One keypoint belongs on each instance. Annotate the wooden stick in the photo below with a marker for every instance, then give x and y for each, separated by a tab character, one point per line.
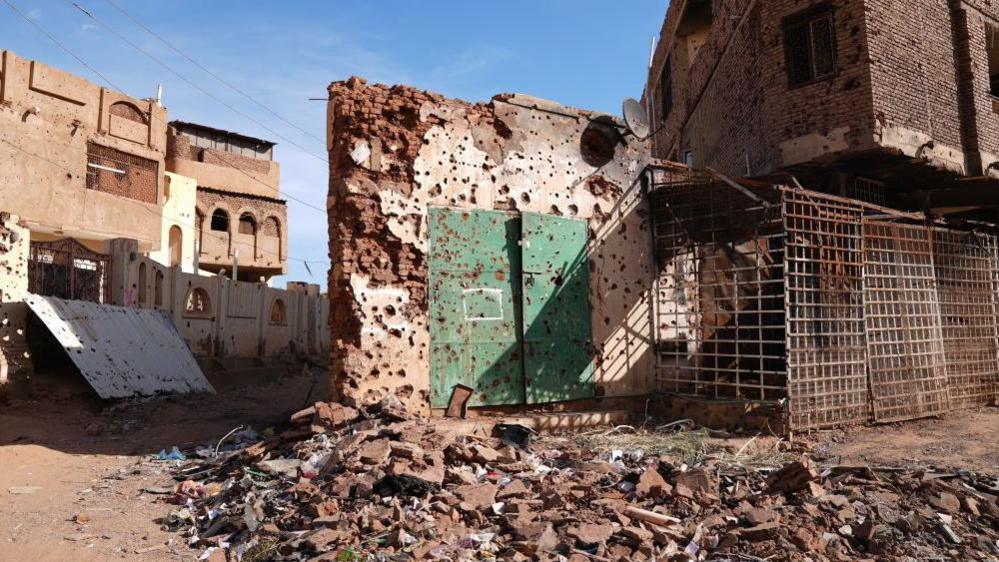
650	516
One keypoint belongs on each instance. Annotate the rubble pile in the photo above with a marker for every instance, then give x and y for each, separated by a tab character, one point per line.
342	484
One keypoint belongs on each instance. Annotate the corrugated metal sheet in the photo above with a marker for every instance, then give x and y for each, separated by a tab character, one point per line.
121	351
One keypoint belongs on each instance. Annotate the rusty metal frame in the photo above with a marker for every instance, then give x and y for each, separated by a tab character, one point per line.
967	270
905	344
67	269
827	379
719	307
880	314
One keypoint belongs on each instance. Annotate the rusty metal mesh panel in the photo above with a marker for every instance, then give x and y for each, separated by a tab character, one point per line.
965	265
720	301
827	379
904	340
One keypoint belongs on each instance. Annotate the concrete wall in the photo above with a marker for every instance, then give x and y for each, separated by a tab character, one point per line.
236	321
14	242
179	203
395	151
47	119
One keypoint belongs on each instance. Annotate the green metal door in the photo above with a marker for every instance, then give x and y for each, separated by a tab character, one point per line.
475	320
558	347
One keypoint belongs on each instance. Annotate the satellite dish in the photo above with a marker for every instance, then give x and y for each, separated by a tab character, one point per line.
636	118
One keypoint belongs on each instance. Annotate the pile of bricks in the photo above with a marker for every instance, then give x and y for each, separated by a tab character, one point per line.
343	484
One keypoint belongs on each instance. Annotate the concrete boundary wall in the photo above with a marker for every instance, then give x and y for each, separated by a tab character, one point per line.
226	318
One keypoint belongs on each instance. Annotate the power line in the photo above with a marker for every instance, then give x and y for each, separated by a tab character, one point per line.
34	24
192	83
106	80
112	85
210	73
158	215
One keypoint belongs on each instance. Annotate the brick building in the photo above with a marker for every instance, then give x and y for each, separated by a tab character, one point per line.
890	101
239	217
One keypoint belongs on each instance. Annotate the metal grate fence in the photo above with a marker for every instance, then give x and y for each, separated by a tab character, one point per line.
850	311
902	313
966	273
827	381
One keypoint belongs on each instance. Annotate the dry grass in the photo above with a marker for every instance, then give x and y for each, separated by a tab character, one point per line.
690	446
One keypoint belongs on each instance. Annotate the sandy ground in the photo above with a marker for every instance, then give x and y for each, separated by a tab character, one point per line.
88	461
968	439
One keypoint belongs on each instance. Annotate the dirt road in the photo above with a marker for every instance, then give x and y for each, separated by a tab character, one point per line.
73	469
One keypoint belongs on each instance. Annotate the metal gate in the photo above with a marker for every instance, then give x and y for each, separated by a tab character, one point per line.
68	270
902	312
966	268
475	319
558	356
826	375
509	308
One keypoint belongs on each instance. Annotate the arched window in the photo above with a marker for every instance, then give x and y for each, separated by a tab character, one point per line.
272	227
176	246
220	220
142	284
279	314
197	304
247	224
128	111
158	289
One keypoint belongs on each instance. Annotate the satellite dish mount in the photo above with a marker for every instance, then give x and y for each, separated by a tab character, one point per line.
636	119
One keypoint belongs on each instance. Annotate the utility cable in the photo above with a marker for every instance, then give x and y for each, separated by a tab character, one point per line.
191	83
112	85
210	73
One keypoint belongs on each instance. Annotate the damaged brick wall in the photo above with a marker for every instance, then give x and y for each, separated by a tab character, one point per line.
974	21
914	74
732	106
394	151
179	147
14	245
912	77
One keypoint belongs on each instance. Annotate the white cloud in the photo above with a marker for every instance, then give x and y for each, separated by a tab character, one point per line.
470	63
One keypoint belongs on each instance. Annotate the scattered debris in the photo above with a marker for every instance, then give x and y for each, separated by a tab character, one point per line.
459	400
380	484
173	455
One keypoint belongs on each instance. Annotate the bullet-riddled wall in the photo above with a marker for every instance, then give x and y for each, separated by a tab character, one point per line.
398	156
14	355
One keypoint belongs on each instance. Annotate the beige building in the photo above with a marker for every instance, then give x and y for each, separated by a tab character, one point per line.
81	165
240	221
178	240
102	199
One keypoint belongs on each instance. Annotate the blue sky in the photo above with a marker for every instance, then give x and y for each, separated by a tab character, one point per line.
585	53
